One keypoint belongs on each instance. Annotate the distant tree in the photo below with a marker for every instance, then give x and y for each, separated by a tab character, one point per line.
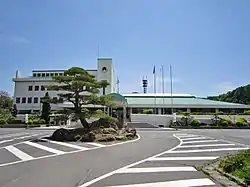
14	110
46	109
81	89
238	95
5	100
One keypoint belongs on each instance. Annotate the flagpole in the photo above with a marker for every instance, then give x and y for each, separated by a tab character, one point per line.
118	85
171	89
162	77
154	77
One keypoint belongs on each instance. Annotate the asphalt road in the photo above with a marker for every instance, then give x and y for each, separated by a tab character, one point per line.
152	159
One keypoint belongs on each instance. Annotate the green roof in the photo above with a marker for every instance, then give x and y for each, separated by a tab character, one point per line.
180	101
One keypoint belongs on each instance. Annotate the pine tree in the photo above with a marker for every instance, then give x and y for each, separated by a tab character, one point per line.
46	107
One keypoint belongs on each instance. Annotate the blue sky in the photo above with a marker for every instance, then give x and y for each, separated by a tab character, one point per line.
207	42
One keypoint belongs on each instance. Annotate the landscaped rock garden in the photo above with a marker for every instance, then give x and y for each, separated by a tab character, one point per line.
101	131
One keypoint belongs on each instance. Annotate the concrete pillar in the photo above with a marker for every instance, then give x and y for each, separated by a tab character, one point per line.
217	110
159	111
188	110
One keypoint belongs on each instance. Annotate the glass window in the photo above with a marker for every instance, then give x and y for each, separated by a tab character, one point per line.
35	99
29	99
39	74
34	74
52	74
30	88
56	74
60	74
36	88
42	88
23	99
43	74
47	74
18	100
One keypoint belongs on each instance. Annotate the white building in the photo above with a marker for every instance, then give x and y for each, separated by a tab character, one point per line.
28	91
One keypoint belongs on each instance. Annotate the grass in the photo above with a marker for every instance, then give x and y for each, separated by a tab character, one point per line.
238	165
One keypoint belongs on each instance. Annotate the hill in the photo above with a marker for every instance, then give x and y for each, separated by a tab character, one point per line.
238	95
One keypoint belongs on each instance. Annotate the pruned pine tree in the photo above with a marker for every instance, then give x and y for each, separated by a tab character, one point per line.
81	89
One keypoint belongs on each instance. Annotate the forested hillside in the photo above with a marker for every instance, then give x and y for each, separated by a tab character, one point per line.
238	95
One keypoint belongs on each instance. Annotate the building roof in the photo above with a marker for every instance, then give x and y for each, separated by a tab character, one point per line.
156	95
178	102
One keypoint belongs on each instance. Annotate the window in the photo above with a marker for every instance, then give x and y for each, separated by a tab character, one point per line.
35	99
30	88
54	99
56	74
47	74
23	99
39	74
29	100
18	100
42	88
36	88
103	91
52	74
60	100
43	74
60	74
34	74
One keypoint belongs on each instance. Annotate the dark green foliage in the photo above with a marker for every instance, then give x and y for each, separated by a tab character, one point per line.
46	107
148	111
195	122
2	121
14	110
239	95
224	122
241	122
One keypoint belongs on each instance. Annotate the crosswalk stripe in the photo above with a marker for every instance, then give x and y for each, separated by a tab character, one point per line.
6	141
183	158
66	144
156	169
177	183
18	153
96	144
209	150
26	136
195	138
202	141
206	145
44	147
188	136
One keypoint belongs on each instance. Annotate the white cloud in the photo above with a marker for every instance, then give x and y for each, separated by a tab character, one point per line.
14	39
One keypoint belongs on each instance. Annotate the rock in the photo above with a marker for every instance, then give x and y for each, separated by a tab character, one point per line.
109	131
89	137
107	138
119	138
60	135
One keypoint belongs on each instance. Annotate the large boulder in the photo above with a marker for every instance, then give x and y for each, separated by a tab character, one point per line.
60	135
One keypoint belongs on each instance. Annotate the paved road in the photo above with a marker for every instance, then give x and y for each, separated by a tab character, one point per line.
158	157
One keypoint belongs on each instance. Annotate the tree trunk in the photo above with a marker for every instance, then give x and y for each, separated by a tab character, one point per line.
84	123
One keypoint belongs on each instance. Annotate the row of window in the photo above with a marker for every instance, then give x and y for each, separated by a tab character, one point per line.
28	100
36	88
47	74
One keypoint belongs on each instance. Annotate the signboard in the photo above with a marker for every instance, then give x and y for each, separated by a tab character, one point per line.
26	118
174	117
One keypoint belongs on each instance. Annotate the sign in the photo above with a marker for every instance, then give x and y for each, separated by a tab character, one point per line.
174	117
26	118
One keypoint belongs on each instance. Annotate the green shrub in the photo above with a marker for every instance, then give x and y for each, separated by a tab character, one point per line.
30	121
195	122
224	122
41	121
2	121
241	122
230	164
247	112
150	111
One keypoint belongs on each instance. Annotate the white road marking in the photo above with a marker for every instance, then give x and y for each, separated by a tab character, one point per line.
44	148
188	136
23	137
177	183
196	138
155	169
210	150
207	145
6	141
183	158
66	144
96	144
202	141
18	153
